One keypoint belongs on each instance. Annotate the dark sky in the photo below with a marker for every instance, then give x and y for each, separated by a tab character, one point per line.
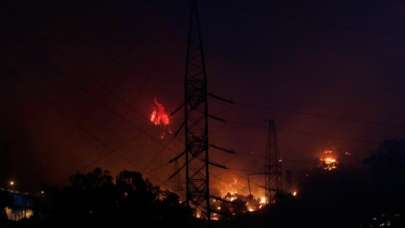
80	77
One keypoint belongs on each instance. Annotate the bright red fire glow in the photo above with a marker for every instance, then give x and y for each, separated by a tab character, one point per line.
159	116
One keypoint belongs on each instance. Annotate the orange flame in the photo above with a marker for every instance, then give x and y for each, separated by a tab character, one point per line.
159	116
328	160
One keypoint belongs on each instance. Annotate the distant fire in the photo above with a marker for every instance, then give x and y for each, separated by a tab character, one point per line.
160	117
328	160
231	184
215	217
198	214
263	200
251	203
231	196
234	198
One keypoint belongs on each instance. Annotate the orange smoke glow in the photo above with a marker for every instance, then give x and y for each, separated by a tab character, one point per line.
159	116
231	184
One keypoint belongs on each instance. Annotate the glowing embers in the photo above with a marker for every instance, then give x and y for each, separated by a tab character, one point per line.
231	196
198	213
328	160
251	209
160	118
263	200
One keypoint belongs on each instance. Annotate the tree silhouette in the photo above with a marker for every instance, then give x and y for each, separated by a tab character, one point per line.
342	198
94	198
387	174
5	201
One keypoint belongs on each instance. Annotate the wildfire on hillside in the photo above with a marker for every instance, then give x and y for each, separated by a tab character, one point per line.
328	160
160	117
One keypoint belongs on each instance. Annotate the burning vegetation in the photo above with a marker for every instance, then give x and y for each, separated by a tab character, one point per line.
233	204
160	117
328	160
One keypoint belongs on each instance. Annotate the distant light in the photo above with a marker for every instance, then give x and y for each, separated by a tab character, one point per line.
219	208
11	183
250	209
215	217
198	214
42	192
294	193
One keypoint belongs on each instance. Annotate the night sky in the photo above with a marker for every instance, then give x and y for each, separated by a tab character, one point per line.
79	78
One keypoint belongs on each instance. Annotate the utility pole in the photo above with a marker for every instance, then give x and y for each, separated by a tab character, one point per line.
272	163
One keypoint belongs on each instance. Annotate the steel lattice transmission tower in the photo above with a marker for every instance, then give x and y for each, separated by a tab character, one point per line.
272	164
196	120
196	117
